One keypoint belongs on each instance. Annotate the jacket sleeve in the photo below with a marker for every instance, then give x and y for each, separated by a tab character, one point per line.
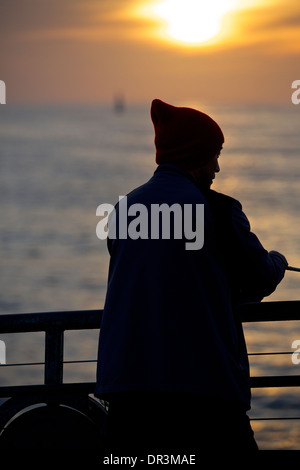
258	272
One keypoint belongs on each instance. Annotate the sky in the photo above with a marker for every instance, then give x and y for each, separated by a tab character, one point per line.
87	51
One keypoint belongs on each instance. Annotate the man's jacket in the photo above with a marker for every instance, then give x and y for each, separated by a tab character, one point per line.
170	322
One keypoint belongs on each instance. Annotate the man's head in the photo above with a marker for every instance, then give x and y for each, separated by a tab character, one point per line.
188	139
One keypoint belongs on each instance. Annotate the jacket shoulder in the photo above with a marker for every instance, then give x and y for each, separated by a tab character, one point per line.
221	200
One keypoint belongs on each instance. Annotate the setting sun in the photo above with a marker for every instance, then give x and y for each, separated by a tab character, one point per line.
193	21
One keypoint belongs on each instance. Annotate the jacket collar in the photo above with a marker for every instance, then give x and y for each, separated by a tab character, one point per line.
172	169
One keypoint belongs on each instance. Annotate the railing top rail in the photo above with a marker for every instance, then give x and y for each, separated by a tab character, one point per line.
270	311
44	321
91	319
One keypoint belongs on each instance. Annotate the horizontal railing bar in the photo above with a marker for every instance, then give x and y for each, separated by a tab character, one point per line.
287	418
89	387
275	381
61	321
80	362
20	364
91	319
84	361
270	311
271	353
42	390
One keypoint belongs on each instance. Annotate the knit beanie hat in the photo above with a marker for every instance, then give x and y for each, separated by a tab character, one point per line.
184	136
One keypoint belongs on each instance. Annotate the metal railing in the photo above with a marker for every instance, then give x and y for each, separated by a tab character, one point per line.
54	324
272	312
78	419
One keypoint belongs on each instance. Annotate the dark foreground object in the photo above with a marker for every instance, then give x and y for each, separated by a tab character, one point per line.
178	423
60	419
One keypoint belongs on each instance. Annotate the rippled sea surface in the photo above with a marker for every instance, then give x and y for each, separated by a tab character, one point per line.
57	164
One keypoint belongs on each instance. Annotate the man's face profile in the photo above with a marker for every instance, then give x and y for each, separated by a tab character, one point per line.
205	175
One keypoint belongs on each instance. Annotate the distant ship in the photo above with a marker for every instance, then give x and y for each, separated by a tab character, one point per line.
119	103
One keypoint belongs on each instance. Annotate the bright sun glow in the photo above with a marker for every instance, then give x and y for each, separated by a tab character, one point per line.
193	21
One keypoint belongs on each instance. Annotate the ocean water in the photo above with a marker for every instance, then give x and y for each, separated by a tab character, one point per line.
58	163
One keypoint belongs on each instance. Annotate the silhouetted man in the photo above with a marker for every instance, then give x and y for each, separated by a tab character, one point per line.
172	358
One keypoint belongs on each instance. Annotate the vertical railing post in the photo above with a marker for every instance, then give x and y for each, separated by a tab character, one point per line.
54	350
